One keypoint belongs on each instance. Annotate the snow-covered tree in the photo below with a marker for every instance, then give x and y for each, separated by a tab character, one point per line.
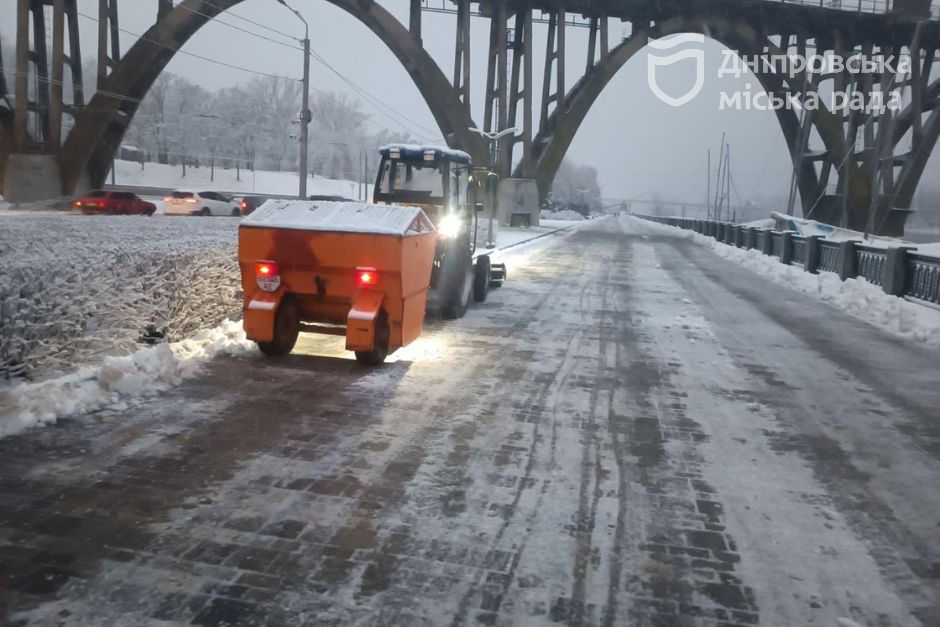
576	187
255	125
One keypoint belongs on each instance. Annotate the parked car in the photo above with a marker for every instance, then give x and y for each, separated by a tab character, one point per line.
184	203
104	202
250	203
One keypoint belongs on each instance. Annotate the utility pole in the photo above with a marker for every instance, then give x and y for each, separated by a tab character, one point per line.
708	185
728	183
721	157
305	113
305	103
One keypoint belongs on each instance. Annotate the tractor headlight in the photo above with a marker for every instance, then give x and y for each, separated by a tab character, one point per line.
450	226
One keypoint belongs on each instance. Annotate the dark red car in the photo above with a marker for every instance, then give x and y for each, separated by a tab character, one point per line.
105	202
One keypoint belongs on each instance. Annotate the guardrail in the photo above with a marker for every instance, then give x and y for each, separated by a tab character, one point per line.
899	271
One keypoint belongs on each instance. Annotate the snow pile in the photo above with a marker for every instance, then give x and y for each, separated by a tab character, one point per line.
857	297
77	288
928	249
346	217
763	223
564	214
416	151
116	379
785	222
57	204
258	182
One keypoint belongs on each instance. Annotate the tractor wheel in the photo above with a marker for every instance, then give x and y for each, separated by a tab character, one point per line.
379	351
286	328
457	279
481	278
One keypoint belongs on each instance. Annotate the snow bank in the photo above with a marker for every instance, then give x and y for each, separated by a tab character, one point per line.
116	379
75	289
564	214
857	297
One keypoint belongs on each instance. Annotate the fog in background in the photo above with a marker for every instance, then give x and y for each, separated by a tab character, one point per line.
641	147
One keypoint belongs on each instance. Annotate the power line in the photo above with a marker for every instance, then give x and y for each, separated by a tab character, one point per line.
192	54
216	20
376	104
384	109
250	21
74	86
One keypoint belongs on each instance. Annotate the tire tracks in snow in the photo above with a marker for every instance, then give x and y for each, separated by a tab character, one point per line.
536	398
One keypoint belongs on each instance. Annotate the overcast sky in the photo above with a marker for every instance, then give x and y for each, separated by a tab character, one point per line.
639	145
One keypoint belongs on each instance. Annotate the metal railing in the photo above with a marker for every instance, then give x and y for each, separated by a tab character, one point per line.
925	278
874	7
828	256
776	246
878	7
799	251
870	264
899	271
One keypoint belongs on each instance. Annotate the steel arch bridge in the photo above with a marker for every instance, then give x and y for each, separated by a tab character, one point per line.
855	168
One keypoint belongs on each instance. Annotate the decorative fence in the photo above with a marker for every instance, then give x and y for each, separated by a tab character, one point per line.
899	271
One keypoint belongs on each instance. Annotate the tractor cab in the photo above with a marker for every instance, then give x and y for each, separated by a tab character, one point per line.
437	179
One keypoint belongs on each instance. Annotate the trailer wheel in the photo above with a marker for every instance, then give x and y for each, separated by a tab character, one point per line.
286	328
379	351
481	278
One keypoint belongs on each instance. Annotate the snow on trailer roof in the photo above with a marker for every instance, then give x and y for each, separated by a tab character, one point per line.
339	217
416	151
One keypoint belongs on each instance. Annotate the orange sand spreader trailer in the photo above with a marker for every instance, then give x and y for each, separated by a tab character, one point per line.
341	268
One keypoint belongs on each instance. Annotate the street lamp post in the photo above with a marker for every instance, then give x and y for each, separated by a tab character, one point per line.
305	104
493	139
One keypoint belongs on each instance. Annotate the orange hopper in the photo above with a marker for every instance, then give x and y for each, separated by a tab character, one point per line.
342	268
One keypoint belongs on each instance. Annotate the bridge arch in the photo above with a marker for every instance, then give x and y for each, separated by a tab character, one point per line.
87	153
559	130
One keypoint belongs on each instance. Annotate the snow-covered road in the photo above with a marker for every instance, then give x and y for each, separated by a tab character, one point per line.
632	431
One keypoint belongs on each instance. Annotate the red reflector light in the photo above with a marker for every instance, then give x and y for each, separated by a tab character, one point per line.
265	268
267	276
366	276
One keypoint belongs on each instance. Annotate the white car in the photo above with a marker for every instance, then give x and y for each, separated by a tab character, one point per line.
183	203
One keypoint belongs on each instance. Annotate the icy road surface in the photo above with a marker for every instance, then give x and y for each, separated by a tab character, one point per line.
632	431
